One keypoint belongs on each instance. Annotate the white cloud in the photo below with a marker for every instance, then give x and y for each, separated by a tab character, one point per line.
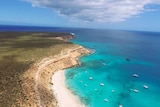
96	10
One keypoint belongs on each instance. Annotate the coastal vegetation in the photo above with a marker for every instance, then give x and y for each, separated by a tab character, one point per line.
18	52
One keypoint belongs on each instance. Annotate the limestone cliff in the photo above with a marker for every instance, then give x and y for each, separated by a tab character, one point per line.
37	80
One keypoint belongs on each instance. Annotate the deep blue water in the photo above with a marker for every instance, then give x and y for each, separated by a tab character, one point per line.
108	65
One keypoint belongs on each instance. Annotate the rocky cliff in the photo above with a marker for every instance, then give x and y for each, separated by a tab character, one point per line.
37	80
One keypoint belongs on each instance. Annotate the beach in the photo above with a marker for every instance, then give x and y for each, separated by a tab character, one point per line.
63	95
28	60
31	70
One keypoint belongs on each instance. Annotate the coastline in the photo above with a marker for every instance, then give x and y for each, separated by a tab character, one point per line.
63	95
27	80
38	79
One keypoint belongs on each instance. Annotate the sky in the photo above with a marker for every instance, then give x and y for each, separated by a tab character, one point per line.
102	14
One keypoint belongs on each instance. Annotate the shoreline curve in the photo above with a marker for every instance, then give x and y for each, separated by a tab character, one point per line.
40	76
63	95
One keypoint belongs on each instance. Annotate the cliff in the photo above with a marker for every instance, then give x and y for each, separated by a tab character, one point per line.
36	84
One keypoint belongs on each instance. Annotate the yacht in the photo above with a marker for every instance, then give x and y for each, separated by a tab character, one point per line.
106	100
135	90
135	75
145	86
120	106
101	84
90	78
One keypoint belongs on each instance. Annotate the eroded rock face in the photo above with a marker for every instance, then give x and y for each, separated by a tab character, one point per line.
37	80
67	37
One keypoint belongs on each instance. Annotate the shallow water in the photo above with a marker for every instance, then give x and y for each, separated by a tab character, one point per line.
108	65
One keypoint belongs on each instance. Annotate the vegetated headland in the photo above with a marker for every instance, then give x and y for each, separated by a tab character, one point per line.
27	62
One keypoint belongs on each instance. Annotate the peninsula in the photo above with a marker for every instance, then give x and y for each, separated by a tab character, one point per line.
27	62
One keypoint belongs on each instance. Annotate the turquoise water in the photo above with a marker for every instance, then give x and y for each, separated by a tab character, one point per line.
108	65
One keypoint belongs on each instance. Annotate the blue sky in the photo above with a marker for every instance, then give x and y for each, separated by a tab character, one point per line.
106	14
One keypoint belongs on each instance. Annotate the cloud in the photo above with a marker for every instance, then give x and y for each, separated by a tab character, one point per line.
96	10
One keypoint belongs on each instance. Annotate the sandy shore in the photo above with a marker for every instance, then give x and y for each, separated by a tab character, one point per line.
64	96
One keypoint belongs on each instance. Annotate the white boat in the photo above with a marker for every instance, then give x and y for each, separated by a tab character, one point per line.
145	86
106	100
120	106
101	84
90	78
135	75
104	64
113	91
135	90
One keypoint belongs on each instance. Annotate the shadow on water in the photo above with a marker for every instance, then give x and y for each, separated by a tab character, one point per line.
123	96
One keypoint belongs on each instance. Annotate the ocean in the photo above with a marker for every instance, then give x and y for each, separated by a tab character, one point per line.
123	70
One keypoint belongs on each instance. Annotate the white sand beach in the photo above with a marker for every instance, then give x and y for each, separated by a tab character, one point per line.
64	96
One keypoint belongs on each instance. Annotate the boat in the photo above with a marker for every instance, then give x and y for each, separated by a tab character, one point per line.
101	84
90	78
85	85
135	75
106	100
120	106
145	86
103	64
135	90
113	91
